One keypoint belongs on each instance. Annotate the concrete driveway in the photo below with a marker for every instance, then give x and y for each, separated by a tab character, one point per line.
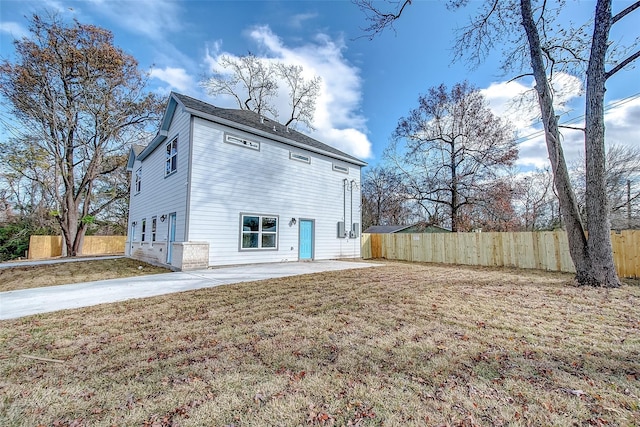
15	304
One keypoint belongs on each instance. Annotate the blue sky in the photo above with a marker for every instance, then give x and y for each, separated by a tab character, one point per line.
367	84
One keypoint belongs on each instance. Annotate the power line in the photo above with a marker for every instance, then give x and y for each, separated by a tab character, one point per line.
578	119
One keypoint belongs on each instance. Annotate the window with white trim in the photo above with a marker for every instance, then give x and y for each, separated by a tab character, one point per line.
171	164
299	157
144	229
154	223
242	142
133	231
258	232
340	168
138	180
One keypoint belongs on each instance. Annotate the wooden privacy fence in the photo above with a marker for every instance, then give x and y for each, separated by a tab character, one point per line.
51	246
545	250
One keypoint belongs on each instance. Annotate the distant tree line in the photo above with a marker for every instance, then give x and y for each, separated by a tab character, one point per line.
450	164
530	204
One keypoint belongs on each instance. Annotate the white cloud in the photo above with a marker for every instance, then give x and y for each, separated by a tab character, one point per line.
621	118
337	120
297	21
150	18
176	78
621	122
517	103
14	29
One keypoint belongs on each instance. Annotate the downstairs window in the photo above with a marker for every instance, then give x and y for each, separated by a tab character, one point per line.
258	232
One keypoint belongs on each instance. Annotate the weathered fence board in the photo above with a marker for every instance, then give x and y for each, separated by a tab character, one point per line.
51	246
545	250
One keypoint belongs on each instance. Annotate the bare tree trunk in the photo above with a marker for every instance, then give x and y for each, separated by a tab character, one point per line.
575	233
454	192
603	270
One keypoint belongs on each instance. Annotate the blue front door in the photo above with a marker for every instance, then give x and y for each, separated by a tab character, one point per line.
306	239
172	236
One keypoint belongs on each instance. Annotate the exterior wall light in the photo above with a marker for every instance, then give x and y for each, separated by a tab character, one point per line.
163	217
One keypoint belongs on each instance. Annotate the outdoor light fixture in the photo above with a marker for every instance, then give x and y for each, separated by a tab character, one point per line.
293	221
134	223
162	218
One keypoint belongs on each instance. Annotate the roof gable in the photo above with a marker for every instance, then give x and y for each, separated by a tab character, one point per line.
134	152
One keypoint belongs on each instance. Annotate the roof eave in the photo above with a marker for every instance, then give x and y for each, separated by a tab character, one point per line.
164	127
157	140
131	160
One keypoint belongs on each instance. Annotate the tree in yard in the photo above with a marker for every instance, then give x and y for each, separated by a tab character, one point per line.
383	198
254	82
495	209
28	178
79	102
542	49
537	202
622	180
451	150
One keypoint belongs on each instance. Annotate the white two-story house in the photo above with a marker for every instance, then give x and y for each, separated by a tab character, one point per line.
222	186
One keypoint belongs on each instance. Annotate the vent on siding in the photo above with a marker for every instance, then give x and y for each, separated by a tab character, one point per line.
299	157
340	168
242	142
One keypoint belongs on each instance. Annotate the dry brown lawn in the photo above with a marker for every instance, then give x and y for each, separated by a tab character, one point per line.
37	276
398	345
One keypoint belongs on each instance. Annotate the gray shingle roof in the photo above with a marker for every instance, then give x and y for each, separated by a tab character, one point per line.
253	120
376	229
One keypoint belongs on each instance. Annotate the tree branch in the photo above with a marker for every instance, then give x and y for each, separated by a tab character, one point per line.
622	64
625	12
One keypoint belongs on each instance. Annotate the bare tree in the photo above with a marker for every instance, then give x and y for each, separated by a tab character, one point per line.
29	177
383	198
451	149
543	48
248	79
537	201
253	83
495	208
80	101
622	180
302	94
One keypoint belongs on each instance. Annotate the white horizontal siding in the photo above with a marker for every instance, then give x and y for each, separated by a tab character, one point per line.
160	195
228	179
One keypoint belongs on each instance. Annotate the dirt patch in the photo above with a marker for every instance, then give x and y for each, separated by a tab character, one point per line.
36	276
402	344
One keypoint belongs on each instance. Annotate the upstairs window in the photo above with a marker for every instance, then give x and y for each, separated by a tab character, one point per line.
235	140
299	157
340	168
259	232
171	158
138	180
